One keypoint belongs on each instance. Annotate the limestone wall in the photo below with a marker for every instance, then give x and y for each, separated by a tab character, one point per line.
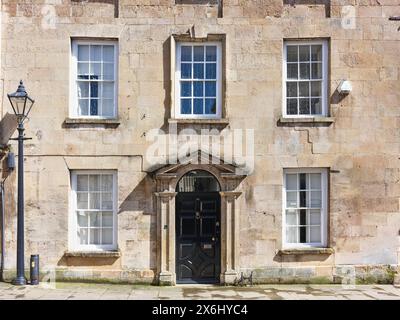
361	147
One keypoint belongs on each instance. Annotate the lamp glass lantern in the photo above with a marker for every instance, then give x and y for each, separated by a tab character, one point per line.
21	102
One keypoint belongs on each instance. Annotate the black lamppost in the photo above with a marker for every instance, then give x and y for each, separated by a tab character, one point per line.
22	105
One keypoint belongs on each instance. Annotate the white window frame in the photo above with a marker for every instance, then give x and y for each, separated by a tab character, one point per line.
325	69
324	208
177	86
74	244
73	110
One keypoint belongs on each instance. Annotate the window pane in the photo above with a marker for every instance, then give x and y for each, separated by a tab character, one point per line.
94	182
291	234
292	69
186	106
106	201
186	89
94	89
186	53
95	71
198	106
83	52
291	218
304	71
292	54
303	199
291	106
95	53
108	90
94	219
211	106
315	179
303	181
198	53
82	200
315	234
94	108
108	71
95	236
211	53
304	89
304	53
186	71
82	219
82	182
211	71
198	88
94	199
291	199
316	106
304	107
316	53
107	219
83	108
316	70
198	71
107	182
291	89
316	88
83	70
83	89
83	236
107	107
315	217
291	182
107	236
211	89
108	53
316	199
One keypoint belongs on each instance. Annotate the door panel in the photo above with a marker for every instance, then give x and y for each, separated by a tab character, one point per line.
197	237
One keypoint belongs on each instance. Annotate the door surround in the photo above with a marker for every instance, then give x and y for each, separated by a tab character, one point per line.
167	179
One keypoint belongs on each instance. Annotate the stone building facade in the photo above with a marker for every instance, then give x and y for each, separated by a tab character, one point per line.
320	202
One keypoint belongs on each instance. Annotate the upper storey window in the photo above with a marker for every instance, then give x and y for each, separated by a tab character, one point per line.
94	79
305	78
198	80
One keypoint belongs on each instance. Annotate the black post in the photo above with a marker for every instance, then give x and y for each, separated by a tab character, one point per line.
20	280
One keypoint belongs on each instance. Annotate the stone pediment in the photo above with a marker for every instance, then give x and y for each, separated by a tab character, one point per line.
201	160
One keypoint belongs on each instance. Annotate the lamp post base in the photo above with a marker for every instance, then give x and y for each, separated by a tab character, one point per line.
19	281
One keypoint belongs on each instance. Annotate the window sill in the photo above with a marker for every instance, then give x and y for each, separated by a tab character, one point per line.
93	254
307	120
305	251
86	122
223	121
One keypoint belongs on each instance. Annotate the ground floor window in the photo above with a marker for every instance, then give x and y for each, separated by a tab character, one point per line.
305	207
94	202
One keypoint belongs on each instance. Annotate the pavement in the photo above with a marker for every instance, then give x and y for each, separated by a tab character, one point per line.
85	291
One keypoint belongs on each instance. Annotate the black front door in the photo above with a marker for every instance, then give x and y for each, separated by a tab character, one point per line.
197	237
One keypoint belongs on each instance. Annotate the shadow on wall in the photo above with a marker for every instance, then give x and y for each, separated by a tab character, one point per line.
167	82
327	4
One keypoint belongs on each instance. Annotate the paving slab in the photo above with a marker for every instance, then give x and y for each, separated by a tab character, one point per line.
85	291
